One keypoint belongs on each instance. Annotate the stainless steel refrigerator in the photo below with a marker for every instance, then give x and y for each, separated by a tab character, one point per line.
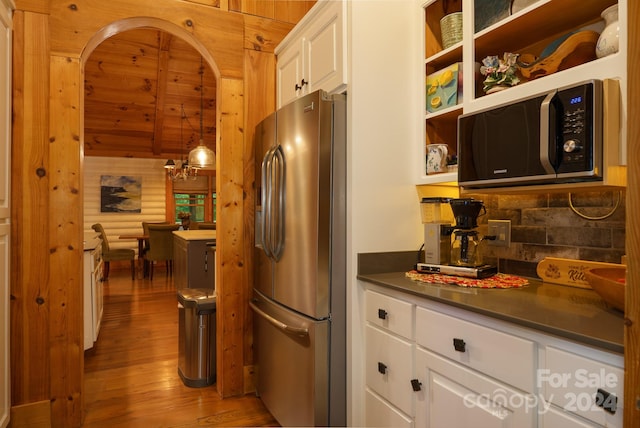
299	299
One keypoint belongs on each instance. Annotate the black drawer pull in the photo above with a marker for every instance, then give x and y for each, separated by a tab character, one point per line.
607	400
382	368
416	385
459	345
382	314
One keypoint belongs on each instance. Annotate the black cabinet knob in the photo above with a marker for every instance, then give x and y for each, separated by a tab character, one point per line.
416	385
382	314
382	368
459	345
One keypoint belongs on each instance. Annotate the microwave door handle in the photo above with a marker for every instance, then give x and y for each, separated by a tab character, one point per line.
545	112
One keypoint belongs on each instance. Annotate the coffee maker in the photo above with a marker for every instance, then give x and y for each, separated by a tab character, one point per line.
465	249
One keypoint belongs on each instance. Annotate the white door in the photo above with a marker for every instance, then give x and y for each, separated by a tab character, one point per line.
5	196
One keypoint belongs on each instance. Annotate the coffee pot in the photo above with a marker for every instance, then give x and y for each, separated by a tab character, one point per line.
466	246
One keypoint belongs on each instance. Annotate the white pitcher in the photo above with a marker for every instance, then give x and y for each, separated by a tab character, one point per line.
437	158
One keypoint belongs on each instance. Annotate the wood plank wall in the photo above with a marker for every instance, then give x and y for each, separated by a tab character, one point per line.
632	297
52	38
150	171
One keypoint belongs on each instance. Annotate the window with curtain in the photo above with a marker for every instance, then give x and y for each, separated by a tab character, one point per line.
196	197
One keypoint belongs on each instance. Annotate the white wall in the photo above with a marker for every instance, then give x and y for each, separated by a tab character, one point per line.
385	118
153	196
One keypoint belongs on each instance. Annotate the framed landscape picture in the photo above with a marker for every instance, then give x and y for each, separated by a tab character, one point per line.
120	194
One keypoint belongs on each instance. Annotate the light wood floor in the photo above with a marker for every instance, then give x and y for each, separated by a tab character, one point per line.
131	374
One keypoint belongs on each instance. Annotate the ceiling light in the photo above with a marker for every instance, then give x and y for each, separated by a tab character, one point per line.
202	157
185	171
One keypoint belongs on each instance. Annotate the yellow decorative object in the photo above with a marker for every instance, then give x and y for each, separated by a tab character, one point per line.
444	88
445	78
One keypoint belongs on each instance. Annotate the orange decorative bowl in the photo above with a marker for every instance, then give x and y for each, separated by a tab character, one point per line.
609	283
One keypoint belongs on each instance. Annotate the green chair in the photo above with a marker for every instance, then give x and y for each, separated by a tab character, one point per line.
110	255
147	245
160	246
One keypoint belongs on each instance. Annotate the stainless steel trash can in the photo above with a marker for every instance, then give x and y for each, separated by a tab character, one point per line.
197	336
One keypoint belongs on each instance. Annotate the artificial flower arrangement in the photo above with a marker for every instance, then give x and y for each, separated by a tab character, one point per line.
499	72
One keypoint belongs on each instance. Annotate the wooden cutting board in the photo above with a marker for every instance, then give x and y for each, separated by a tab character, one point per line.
567	271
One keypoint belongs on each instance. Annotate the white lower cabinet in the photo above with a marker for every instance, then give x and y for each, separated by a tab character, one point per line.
433	365
382	414
389	359
582	386
458	397
389	367
93	303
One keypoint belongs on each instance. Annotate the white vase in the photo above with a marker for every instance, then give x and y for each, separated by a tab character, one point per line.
608	40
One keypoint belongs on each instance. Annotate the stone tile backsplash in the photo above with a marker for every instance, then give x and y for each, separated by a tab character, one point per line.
545	225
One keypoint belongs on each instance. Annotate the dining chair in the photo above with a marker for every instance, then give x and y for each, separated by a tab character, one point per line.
160	246
110	255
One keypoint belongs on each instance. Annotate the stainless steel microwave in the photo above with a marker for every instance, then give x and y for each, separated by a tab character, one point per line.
550	138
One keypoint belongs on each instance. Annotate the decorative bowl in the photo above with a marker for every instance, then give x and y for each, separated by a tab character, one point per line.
609	283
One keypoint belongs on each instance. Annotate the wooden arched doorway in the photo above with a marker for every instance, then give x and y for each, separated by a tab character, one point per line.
47	322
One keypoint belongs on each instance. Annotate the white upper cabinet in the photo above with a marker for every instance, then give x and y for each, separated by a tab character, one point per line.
313	55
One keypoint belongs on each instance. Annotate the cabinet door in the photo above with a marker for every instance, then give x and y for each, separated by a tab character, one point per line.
457	397
98	298
323	50
389	368
290	73
88	301
573	382
378	413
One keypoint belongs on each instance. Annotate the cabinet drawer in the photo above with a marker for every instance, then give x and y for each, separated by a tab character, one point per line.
389	367
390	313
572	382
497	354
379	413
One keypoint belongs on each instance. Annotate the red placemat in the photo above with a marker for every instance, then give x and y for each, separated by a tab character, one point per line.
499	280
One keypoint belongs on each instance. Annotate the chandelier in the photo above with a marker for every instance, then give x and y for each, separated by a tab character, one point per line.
184	171
202	157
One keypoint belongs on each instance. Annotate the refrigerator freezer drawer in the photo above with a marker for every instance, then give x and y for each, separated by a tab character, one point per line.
292	358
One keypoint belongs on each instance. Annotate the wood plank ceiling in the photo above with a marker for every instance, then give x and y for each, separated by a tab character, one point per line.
136	83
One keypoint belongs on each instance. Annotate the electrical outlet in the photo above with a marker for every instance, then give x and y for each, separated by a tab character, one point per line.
501	229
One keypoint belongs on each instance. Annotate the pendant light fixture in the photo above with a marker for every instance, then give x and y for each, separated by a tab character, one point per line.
202	157
184	172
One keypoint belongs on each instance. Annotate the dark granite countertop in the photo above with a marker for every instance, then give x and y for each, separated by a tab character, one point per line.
573	313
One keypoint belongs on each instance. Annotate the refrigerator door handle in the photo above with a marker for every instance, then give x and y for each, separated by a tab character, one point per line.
297	331
267	192
279	195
